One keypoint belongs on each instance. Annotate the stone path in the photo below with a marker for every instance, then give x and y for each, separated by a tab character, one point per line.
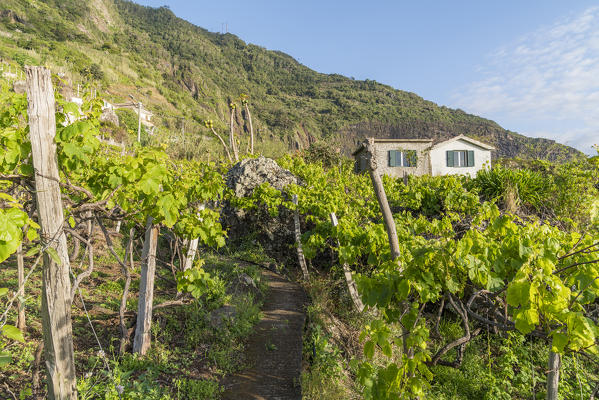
274	350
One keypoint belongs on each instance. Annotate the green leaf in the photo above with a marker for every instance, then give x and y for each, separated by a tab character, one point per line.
369	349
32	251
53	255
71	221
32	234
518	292
558	342
526	320
3	291
12	332
5	358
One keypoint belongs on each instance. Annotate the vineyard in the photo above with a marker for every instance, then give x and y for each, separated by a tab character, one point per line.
446	287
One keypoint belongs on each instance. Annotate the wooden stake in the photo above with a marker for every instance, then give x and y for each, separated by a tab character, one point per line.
351	284
21	291
142	340
56	285
123	307
193	246
379	191
298	240
554	365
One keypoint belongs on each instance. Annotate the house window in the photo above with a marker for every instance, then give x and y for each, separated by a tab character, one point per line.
460	158
402	158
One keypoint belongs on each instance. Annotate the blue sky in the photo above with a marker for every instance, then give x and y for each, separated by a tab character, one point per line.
532	66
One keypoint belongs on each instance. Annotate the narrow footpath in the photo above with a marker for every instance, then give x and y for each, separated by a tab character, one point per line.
274	350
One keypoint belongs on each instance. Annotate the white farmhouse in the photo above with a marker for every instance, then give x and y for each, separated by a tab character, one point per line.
399	157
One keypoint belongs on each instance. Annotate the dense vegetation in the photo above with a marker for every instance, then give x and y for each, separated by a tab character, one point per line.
495	271
181	70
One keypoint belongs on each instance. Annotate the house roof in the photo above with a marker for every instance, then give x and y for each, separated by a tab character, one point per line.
393	141
436	143
466	139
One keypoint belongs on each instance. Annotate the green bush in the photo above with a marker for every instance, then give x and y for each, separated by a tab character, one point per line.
532	187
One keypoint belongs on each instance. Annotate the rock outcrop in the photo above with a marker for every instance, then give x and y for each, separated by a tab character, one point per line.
275	234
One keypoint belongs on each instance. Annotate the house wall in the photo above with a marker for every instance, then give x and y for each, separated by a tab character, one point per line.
422	165
482	158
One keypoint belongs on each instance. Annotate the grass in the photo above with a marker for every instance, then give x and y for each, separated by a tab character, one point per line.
188	356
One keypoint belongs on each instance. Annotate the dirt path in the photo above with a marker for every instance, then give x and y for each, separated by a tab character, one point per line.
274	350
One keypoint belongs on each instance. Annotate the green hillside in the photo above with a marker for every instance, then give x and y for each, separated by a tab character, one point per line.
179	69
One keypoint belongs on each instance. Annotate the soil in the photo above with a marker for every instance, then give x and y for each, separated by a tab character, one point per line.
274	350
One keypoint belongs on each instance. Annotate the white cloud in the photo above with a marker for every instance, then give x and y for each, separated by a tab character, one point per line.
544	84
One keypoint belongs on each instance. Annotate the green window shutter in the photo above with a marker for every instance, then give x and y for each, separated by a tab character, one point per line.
470	158
449	158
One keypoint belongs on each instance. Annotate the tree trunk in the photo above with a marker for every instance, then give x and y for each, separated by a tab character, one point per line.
141	342
223	143
351	284
232	136
554	366
21	291
247	111
56	285
298	241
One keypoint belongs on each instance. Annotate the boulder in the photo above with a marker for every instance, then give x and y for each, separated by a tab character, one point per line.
244	284
221	316
247	174
108	115
20	87
275	234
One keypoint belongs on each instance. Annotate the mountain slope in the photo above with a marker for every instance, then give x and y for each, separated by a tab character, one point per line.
179	69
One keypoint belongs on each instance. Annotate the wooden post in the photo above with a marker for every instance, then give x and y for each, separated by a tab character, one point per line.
21	291
139	122
554	366
351	284
193	246
123	307
56	285
298	240
379	191
142	340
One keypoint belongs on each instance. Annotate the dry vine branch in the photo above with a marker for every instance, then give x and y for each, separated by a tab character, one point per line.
90	258
461	310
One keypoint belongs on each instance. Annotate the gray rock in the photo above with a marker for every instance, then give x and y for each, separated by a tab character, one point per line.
221	316
19	87
109	115
246	285
247	174
275	234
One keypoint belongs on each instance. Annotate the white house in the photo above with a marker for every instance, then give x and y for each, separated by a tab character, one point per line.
399	157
